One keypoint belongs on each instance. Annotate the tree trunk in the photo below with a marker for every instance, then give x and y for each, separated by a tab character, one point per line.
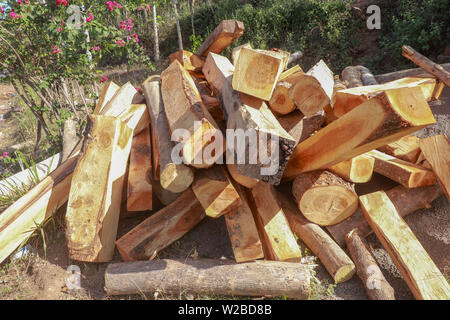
192	9
175	12
155	33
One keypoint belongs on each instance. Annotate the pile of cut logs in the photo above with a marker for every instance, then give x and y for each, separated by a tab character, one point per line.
332	134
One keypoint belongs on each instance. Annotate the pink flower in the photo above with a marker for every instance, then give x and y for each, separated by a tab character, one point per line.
103	79
19	2
97	48
148	7
60	29
55	50
63	2
139	8
117	5
110	5
136	38
91	16
2	10
14	15
120	42
5	155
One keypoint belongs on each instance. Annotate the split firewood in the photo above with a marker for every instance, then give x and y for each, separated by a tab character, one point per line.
393	114
281	102
215	192
352	77
334	259
312	92
300	127
408	174
405	200
426	64
278	240
375	284
242	231
185	110
241	179
22	218
210	100
324	198
109	89
237	50
161	229
223	35
256	73
415	72
139	194
209	277
173	177
357	170
407	148
436	150
190	61
420	273
120	102
94	203
136	117
346	100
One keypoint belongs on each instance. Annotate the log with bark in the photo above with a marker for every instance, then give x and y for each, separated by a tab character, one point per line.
223	35
420	273
407	148
415	72
405	200
352	77
161	229
300	127
334	259
324	198
367	77
172	177
436	150
357	170
392	113
375	284
209	277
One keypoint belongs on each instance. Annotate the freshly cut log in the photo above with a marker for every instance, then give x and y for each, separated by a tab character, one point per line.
407	148
281	102
94	203
312	92
161	229
352	77
185	110
346	100
375	284
215	192
120	102
367	77
209	277
334	259
190	61
136	117
22	218
278	240
223	35
109	89
420	273
300	127
324	198
357	170
239	178
256	73
237	50
392	113
426	64
139	190
436	150
405	200
407	174
173	177
242	231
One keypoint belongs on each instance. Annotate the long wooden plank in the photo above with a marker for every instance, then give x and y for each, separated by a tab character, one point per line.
392	113
223	35
94	203
109	89
120	102
419	271
436	150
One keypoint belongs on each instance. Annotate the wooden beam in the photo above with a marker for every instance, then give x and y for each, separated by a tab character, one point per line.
139	195
393	114
108	91
278	240
218	70
420	273
223	35
324	198
94	203
120	102
375	284
256	73
300	127
173	177
136	117
405	200
209	277
242	231
407	174
357	170
185	110
334	259
215	192
406	148
436	150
